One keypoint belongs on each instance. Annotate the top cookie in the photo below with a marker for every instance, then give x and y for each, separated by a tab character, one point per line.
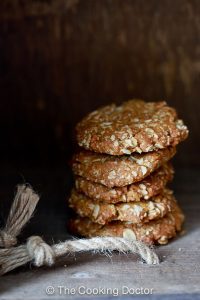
135	126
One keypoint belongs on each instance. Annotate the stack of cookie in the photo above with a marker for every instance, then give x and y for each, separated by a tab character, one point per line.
122	171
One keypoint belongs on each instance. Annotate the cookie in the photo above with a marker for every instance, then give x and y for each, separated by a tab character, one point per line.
135	126
119	170
156	231
140	212
143	190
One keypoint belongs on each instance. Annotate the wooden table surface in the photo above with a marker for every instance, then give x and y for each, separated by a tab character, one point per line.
178	274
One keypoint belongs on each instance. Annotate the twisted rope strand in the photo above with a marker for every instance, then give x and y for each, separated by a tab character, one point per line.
40	253
20	213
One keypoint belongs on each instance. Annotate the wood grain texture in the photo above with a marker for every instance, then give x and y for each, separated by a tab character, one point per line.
62	59
178	273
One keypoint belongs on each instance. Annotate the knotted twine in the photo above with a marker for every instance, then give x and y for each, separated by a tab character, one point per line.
40	253
20	213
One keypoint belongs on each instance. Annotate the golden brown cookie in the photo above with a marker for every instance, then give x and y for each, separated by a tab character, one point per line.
135	126
140	212
143	190
119	170
156	231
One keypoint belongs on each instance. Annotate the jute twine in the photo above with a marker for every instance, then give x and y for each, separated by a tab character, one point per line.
40	253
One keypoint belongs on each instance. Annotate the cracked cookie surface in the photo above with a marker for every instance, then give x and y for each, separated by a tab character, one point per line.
135	126
143	190
140	212
154	232
113	171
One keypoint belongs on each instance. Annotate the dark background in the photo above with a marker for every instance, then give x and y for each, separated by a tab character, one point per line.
61	59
